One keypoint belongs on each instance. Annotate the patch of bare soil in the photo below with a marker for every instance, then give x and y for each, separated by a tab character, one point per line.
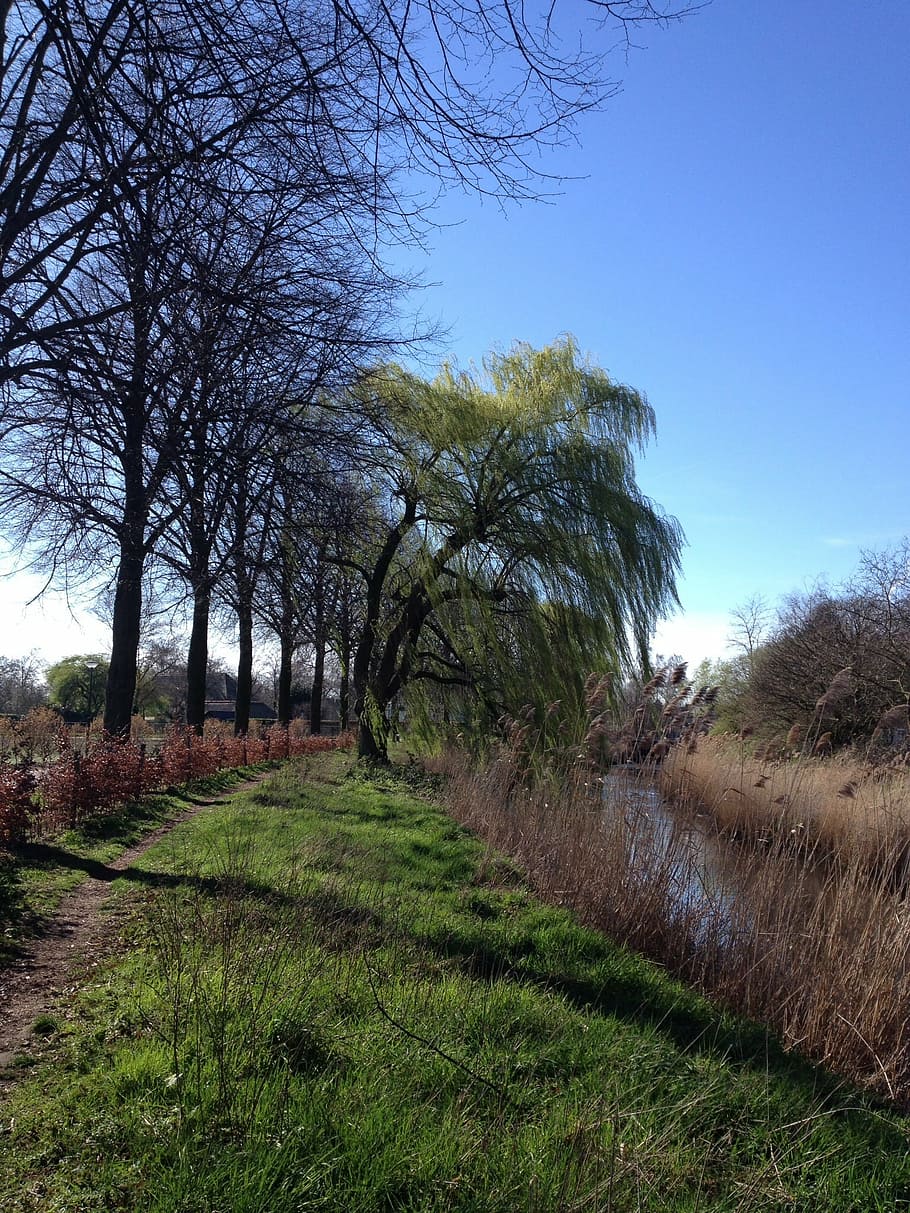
48	969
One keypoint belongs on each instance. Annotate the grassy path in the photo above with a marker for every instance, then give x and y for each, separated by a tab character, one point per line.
73	936
328	997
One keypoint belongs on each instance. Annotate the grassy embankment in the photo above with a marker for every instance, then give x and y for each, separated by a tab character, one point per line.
331	997
784	901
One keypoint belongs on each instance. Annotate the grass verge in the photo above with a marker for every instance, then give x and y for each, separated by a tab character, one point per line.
330	997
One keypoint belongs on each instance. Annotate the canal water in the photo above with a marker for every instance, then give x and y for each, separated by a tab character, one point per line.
709	879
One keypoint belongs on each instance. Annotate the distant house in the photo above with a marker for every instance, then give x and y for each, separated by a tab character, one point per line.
225	709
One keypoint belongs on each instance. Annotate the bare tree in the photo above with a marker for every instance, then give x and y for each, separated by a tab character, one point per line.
22	685
855	640
126	125
751	623
109	421
55	60
287	592
342	81
269	321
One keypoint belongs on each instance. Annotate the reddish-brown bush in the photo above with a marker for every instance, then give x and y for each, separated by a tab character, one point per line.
17	802
67	792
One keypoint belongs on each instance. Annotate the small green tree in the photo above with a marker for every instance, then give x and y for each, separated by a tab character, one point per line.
731	676
77	683
513	550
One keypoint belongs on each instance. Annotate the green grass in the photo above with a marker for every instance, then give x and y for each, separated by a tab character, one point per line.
330	998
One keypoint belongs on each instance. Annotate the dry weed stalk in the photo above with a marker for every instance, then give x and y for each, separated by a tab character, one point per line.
840	686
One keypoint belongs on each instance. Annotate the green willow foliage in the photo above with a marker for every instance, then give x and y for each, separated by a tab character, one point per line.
515	551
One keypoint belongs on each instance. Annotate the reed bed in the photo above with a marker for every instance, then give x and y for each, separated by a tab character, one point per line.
818	951
838	809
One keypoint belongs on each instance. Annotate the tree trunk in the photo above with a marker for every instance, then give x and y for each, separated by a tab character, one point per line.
344	695
126	625
344	661
284	681
370	707
370	745
244	588
125	629
244	669
197	660
318	680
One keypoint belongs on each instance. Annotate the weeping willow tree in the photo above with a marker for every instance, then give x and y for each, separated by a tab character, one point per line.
511	550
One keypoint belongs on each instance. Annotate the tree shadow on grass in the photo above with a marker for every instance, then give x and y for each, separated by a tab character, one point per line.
15	914
134	820
125	826
42	856
690	1024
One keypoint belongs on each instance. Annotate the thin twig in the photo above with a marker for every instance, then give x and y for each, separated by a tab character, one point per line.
500	1091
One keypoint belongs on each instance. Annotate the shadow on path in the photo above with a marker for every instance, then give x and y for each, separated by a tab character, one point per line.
135	828
48	856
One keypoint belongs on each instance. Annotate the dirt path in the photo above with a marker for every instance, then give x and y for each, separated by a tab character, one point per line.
47	971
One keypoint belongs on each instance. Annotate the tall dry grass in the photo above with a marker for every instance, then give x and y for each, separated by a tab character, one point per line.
838	809
819	952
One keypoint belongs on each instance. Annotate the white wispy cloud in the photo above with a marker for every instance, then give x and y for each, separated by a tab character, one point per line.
871	539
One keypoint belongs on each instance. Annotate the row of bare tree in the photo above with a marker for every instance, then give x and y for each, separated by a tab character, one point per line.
195	196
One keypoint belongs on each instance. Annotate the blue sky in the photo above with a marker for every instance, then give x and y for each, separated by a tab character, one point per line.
738	250
737	246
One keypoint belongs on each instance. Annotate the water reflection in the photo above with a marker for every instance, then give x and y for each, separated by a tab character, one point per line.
708	882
